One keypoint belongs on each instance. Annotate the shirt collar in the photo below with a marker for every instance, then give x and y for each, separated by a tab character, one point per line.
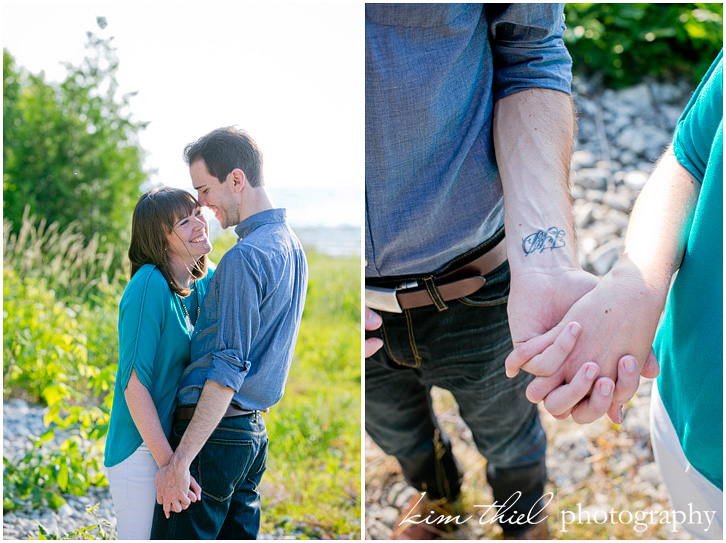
268	216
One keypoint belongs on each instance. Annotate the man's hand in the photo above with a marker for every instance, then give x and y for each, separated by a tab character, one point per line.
373	322
176	488
537	303
618	318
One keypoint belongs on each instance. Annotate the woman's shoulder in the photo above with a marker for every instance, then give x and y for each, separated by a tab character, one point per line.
147	279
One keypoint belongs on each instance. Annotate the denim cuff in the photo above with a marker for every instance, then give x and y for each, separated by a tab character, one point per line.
228	370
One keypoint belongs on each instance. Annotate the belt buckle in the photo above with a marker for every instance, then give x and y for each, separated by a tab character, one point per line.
385	299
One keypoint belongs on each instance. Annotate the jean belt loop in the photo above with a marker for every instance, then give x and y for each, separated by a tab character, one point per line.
435	294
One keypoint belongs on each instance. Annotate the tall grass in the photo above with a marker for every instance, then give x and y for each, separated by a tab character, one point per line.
70	265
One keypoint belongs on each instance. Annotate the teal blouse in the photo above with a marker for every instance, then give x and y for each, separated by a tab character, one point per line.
689	343
154	340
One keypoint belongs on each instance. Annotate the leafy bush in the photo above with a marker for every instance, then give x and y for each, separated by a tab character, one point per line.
624	42
60	348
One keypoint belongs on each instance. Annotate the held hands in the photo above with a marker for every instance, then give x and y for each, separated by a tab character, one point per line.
176	489
601	339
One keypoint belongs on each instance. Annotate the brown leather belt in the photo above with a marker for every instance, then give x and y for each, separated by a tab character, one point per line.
456	283
187	412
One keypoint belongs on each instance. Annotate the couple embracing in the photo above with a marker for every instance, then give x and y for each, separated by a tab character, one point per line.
202	352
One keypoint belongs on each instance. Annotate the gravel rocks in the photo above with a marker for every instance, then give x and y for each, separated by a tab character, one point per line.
21	424
621	134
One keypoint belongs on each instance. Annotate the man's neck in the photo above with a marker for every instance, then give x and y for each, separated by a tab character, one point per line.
255	201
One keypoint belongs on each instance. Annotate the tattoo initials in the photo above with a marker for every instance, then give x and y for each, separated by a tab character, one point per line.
552	238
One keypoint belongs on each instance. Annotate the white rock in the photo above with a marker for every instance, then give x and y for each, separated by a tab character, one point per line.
628	157
621	200
619	219
583	159
603	258
638	139
635	180
637	96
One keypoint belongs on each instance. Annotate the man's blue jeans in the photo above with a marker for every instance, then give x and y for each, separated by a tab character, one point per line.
460	349
229	469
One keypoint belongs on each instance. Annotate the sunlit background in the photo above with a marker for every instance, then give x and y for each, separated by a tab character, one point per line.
291	74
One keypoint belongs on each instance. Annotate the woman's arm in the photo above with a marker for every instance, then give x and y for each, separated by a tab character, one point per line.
146	418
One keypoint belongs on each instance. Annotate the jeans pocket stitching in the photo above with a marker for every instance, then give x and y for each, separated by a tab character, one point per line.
412	340
263	465
388	346
246	444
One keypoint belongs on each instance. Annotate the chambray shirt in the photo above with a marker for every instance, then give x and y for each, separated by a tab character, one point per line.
246	332
433	73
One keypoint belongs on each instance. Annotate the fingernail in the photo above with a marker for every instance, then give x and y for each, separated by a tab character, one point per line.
630	364
591	372
574	328
620	416
606	388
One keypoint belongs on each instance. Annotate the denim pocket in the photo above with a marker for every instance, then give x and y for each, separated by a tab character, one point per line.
224	461
494	292
221	465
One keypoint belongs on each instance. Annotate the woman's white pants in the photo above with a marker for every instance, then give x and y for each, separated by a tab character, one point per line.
691	493
133	490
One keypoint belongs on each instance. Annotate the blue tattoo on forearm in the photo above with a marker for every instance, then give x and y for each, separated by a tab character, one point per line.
552	238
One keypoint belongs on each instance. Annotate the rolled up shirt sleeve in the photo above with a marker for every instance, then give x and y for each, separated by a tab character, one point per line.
528	49
240	290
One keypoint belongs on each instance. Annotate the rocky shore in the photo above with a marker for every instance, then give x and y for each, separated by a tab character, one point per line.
599	467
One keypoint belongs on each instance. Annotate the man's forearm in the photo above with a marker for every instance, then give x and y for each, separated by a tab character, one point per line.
533	137
213	402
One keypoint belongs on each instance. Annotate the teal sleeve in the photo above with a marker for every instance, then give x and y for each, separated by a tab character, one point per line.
698	125
141	318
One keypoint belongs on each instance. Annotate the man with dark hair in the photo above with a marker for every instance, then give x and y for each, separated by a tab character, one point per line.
241	351
225	149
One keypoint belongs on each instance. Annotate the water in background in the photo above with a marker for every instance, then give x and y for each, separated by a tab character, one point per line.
326	219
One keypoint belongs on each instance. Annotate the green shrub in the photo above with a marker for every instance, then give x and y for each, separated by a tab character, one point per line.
60	349
625	42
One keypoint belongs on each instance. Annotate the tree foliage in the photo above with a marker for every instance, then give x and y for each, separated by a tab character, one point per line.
624	42
71	150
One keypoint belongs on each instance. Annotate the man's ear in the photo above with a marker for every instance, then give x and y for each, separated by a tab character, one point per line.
239	180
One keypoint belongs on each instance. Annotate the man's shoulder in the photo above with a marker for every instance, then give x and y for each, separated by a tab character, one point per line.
267	242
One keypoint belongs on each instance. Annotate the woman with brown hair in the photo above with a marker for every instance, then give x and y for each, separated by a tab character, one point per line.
157	314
